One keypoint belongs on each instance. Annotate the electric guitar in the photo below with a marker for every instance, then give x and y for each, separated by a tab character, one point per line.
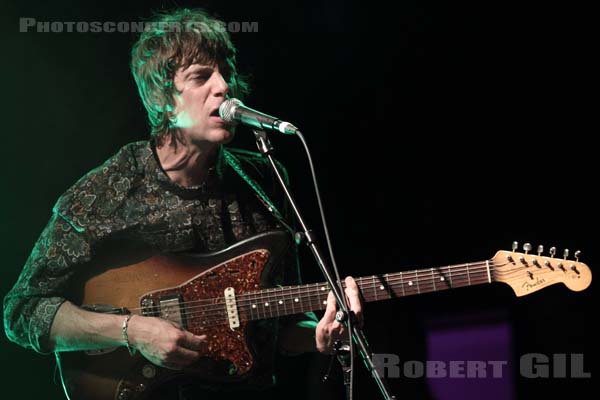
223	294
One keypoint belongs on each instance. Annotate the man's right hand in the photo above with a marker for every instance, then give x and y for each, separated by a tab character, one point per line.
163	342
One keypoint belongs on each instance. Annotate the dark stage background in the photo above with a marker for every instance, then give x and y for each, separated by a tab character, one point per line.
441	133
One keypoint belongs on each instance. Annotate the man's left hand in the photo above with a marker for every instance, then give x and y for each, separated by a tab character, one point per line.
329	330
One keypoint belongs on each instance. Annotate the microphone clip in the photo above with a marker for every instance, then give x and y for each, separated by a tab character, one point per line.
262	142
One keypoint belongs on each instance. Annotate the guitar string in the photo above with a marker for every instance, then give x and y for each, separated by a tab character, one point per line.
277	293
370	289
290	293
311	302
257	314
317	292
317	289
305	305
267	294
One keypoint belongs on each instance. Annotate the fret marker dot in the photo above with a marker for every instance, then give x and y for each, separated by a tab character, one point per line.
266	304
253	305
442	279
296	300
280	302
324	301
410	283
323	288
381	287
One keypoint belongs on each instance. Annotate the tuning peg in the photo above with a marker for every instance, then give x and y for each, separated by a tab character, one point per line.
577	255
515	245
527	247
540	250
566	253
552	251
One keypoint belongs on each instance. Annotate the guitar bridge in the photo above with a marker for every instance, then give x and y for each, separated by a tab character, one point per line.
149	308
170	309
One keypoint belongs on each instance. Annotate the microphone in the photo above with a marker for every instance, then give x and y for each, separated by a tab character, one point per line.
234	110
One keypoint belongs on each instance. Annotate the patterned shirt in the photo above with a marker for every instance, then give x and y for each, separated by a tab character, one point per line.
131	197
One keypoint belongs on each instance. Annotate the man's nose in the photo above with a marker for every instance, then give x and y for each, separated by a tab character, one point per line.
221	87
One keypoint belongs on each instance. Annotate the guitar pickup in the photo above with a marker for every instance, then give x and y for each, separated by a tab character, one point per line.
231	306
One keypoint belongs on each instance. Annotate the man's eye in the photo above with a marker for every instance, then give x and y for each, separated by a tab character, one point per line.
202	78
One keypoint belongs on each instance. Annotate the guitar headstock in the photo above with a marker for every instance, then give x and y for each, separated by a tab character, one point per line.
527	273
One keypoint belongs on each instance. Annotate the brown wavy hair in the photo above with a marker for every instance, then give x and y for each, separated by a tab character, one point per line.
177	39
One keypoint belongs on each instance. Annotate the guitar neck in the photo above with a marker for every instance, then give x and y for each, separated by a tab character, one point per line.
287	300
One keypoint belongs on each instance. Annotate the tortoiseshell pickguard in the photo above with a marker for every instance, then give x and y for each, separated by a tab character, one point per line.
204	309
127	278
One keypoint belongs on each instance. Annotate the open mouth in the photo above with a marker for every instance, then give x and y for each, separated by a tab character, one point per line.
215	113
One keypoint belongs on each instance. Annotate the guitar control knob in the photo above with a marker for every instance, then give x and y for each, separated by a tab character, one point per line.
577	255
148	371
540	250
552	251
124	394
527	247
566	254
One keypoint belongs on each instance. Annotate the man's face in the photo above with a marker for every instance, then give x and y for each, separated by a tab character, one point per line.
201	89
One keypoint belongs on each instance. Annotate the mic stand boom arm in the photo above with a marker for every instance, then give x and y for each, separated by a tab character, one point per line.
265	147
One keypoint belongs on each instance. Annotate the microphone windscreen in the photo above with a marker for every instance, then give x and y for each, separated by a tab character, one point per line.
226	109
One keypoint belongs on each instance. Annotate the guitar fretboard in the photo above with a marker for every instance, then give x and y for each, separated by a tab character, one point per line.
287	300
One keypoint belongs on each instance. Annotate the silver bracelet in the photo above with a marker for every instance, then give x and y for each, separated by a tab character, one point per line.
125	336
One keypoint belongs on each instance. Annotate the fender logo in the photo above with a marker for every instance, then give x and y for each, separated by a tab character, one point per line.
533	285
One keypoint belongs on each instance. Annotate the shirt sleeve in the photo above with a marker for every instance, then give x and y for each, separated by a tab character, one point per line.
31	305
81	217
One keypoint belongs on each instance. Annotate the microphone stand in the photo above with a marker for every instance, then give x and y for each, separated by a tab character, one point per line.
358	337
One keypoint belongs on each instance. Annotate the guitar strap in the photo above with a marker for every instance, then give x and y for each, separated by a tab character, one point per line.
235	164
